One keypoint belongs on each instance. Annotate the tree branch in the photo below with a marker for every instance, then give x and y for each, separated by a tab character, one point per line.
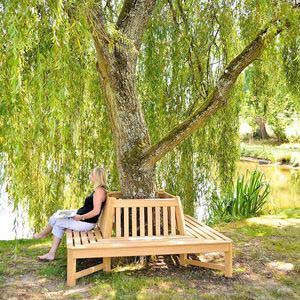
216	99
134	17
96	20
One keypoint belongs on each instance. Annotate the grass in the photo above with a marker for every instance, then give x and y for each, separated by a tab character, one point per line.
266	266
281	154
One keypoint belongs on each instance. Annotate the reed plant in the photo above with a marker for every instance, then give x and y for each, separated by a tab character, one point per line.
246	199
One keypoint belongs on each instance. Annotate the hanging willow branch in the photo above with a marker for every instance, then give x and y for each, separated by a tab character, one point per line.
217	99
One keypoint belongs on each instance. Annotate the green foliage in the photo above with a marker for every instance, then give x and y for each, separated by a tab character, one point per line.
246	199
54	125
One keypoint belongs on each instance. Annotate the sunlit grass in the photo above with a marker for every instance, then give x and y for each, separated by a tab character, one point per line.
266	264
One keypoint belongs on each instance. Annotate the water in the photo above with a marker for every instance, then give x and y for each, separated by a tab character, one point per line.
285	192
14	223
284	181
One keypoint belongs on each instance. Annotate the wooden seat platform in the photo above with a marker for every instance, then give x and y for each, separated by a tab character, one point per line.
131	227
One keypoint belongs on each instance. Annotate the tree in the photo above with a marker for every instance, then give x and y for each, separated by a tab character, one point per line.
48	72
117	69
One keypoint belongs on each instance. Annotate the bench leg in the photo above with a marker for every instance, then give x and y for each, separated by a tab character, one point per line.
71	269
182	257
228	262
107	264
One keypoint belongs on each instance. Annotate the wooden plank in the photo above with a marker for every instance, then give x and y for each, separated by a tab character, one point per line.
126	222
142	221
115	194
165	221
173	221
145	202
89	270
138	242
149	250
130	242
118	221
228	262
211	229
194	234
197	230
91	236
108	217
149	221
198	263
205	230
77	239
157	221
84	237
98	235
180	217
71	268
69	238
134	230
164	194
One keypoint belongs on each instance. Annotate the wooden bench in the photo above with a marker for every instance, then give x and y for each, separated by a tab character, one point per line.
134	227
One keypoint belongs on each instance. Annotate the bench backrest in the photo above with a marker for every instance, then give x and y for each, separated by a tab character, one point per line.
162	216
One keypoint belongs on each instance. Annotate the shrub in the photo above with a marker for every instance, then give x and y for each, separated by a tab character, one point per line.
246	199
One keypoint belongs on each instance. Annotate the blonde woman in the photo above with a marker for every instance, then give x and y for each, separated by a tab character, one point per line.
85	219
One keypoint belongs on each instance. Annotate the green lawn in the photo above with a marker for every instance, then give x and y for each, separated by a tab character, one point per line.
266	266
285	153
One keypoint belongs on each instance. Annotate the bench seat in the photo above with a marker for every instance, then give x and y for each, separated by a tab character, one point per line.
174	233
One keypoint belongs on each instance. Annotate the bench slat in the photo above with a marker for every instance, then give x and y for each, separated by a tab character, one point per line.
193	233
145	203
149	220
142	221
84	237
91	236
157	221
206	229
134	231
126	222
98	234
118	221
197	230
147	241
173	221
213	230
165	220
77	239
69	237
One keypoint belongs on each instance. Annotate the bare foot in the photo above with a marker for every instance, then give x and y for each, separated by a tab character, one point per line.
47	256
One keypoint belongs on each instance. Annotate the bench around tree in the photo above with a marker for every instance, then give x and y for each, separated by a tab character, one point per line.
134	227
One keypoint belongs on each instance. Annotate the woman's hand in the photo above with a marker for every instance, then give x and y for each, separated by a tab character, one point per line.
77	217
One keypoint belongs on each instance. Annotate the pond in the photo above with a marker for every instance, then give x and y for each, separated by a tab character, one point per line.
285	192
284	181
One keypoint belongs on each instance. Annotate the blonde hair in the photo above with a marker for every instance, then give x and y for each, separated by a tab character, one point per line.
100	177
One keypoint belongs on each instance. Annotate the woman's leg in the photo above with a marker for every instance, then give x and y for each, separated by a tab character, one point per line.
43	233
47	230
58	231
51	254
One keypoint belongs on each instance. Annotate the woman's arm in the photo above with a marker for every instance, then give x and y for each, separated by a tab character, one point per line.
98	198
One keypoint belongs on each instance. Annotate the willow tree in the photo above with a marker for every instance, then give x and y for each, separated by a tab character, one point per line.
167	72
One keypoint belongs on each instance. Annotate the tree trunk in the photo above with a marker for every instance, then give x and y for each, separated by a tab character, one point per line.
129	127
261	122
117	71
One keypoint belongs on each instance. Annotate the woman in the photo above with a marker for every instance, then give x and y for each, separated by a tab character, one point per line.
85	219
